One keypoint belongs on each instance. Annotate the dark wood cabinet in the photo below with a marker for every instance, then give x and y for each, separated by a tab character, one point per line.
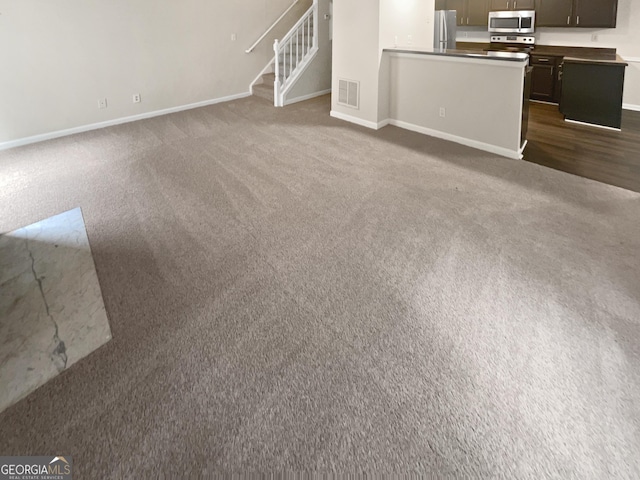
497	5
524	5
468	12
576	13
543	83
459	7
549	13
544	78
554	13
592	92
477	13
595	13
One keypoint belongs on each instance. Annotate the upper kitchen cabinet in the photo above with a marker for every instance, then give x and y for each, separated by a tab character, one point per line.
497	5
576	13
477	13
469	12
596	13
459	7
554	13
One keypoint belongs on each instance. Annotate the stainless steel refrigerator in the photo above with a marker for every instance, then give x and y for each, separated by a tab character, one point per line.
444	29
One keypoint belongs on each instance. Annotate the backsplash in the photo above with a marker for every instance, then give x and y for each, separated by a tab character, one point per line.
576	37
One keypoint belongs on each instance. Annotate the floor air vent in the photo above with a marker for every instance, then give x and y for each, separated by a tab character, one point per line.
348	93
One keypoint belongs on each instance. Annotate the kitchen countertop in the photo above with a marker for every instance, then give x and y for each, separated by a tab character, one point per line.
603	56
465	53
597	61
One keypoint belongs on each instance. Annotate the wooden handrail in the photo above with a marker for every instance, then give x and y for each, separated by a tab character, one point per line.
250	49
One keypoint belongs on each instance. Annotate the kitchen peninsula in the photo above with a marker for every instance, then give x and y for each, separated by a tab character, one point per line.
586	82
467	96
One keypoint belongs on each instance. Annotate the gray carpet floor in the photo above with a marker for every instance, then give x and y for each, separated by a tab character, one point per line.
289	292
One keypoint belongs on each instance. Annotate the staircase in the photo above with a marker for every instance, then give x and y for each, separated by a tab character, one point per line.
292	56
263	87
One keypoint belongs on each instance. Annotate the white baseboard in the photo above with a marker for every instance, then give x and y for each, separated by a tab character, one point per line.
505	152
542	101
117	121
359	121
306	97
625	106
595	125
521	151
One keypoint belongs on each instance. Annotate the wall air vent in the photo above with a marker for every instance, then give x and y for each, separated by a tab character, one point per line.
348	93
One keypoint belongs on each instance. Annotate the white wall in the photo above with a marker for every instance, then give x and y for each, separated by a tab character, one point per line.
401	19
59	57
467	89
361	30
356	55
625	38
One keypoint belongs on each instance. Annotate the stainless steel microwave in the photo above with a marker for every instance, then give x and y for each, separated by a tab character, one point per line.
514	21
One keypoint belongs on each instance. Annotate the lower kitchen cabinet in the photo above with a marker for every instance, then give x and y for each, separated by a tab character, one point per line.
544	79
592	92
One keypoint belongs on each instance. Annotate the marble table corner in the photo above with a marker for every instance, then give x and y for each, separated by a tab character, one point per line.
51	308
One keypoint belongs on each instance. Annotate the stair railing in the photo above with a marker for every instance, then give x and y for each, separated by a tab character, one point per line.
294	51
273	25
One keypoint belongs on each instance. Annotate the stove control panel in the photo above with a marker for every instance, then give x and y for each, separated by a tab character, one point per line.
525	40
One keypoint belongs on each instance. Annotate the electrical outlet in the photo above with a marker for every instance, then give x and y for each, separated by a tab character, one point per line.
409	39
443	112
136	98
102	103
234	37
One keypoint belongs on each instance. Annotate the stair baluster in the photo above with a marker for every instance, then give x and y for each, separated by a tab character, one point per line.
276	81
305	40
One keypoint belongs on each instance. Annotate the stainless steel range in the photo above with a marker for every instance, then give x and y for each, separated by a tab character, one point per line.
512	43
512	31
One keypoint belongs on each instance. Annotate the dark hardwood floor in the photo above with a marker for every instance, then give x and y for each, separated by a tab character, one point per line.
604	155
